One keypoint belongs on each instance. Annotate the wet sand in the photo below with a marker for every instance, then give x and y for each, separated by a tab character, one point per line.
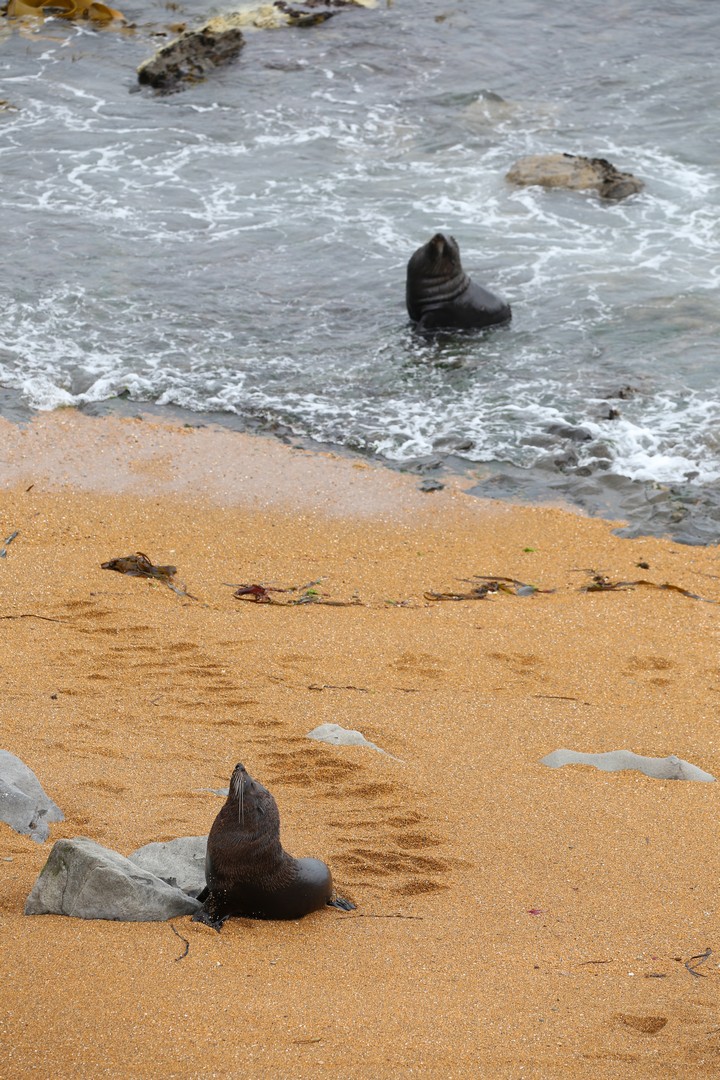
512	920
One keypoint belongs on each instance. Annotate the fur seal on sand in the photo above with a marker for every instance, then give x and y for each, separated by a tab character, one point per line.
246	869
440	295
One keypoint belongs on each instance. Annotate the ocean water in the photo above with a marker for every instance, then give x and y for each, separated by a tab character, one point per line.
237	251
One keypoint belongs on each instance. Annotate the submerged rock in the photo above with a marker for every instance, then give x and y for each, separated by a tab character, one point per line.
24	806
87	881
192	56
301	13
669	768
575	173
180	863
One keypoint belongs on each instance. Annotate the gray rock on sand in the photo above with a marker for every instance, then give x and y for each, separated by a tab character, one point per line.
340	736
576	173
87	881
180	863
24	806
669	768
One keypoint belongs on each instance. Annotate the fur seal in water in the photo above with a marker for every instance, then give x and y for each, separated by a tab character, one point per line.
246	869
440	295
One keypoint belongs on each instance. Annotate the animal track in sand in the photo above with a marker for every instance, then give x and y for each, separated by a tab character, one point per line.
378	843
648	663
524	664
638	665
648	1025
306	764
423	664
106	786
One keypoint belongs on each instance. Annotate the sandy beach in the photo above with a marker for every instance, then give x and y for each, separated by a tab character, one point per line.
512	920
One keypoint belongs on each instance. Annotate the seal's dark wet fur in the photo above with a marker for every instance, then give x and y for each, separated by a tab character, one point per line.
440	295
246	869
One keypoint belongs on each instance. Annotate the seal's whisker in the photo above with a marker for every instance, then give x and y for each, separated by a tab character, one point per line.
237	789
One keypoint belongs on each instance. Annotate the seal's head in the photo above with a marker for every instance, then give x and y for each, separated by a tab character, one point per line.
434	275
440	257
251	804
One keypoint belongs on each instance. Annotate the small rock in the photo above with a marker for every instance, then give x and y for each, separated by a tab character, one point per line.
24	806
430	485
87	881
180	863
575	433
576	173
340	736
191	56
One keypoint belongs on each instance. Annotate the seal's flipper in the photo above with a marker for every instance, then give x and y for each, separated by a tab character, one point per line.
340	902
209	916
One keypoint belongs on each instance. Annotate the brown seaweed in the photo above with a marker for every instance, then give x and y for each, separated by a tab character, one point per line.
260	594
92	10
695	961
478	593
139	565
602	583
491	583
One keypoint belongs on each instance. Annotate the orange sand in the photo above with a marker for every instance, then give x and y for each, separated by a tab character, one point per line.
512	920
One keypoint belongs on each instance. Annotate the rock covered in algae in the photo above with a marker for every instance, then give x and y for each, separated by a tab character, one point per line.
576	173
191	56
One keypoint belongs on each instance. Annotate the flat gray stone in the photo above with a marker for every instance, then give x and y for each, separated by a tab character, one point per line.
24	806
87	881
180	863
340	736
669	768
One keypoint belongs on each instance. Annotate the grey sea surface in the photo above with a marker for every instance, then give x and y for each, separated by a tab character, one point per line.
237	251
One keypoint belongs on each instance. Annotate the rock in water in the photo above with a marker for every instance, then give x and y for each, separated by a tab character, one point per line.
180	862
191	56
575	173
24	806
88	881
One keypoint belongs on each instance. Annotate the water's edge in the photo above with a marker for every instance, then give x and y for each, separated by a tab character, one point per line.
667	509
